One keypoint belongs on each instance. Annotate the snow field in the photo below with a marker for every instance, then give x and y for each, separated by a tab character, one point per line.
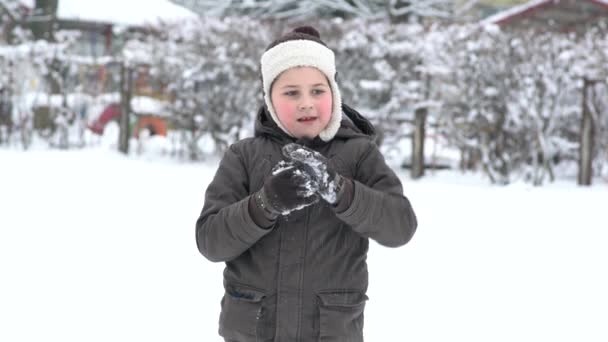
99	247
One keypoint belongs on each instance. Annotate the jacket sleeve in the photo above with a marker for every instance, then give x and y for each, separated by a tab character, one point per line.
379	209
225	229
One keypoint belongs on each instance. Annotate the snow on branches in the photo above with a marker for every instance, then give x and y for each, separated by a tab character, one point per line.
511	102
290	9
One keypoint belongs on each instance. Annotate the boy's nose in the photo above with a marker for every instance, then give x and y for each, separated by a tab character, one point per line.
305	106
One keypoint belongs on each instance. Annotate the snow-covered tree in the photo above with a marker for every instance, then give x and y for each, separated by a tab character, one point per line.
515	99
543	106
15	67
511	102
57	67
11	19
6	91
475	108
212	73
283	9
393	74
593	56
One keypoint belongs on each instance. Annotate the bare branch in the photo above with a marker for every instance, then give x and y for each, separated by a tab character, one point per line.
9	11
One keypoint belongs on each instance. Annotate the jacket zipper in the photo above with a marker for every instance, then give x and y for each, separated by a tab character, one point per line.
301	282
278	292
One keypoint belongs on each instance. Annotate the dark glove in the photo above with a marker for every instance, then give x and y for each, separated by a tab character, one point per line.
289	188
329	182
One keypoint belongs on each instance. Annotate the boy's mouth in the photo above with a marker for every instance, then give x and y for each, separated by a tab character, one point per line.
307	119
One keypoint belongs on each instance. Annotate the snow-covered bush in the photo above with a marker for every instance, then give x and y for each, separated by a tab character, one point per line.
544	105
511	102
474	107
515	99
211	71
311	9
593	52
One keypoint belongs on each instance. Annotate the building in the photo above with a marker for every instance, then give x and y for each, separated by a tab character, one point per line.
555	15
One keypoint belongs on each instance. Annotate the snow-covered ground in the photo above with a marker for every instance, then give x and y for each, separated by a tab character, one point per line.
132	12
95	246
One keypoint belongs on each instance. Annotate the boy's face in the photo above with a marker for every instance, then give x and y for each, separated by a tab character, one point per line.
302	100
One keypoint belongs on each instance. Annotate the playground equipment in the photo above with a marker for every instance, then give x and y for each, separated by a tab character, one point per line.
155	124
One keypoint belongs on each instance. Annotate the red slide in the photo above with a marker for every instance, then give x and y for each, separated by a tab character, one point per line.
112	111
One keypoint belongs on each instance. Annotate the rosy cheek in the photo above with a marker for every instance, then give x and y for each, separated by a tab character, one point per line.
285	111
325	104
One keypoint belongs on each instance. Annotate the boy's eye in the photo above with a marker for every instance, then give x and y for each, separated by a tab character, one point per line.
318	91
291	93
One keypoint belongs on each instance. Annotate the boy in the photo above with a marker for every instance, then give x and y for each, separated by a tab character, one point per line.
291	210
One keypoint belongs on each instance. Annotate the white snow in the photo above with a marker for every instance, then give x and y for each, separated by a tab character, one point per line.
95	246
132	12
28	3
281	166
149	105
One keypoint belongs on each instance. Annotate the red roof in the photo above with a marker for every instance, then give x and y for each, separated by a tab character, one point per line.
528	9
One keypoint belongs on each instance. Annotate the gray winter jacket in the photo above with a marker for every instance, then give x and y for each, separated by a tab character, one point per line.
305	278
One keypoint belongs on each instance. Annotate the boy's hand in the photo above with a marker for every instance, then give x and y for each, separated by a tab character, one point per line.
289	188
329	181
